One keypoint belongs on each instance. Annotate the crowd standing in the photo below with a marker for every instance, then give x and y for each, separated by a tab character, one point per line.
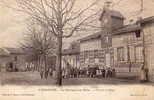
90	72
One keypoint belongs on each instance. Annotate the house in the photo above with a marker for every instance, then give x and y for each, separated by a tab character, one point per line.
126	48
127	43
97	48
11	59
117	45
91	50
147	25
70	56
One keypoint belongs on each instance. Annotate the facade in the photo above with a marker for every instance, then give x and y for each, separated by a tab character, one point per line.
97	49
147	25
91	50
117	46
127	43
11	59
126	48
70	56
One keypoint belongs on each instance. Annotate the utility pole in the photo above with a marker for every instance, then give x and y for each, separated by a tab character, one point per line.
141	5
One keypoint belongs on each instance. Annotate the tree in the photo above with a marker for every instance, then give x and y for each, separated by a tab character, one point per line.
38	44
61	18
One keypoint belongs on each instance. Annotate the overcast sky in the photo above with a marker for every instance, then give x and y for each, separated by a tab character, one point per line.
12	23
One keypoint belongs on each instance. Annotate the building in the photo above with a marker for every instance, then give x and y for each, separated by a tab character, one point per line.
127	43
70	56
91	50
126	48
97	48
11	59
147	25
117	45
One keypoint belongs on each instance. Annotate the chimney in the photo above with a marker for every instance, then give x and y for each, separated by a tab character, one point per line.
107	5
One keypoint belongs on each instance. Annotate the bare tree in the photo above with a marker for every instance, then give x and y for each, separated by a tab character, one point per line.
39	44
61	18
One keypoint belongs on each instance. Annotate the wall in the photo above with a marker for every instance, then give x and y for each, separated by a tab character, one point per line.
117	23
20	64
129	42
94	44
71	59
3	62
149	47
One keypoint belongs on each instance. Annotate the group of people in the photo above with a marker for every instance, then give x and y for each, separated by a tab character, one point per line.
91	72
46	73
29	66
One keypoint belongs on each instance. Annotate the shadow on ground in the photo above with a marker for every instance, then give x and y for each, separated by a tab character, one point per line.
33	79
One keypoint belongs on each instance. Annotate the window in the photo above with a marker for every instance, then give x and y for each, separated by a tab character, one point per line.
96	53
120	54
91	57
139	54
106	39
138	34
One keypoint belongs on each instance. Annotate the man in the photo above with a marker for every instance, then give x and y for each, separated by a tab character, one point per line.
113	72
143	76
103	72
46	73
146	74
41	73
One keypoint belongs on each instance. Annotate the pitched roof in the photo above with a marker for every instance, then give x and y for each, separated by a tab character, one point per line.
93	36
73	49
6	51
14	50
146	20
126	29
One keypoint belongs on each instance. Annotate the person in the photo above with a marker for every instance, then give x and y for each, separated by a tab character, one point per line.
142	76
113	72
146	74
46	73
50	72
103	72
41	73
108	72
63	72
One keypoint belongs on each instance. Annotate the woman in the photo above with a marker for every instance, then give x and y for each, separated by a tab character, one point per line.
142	76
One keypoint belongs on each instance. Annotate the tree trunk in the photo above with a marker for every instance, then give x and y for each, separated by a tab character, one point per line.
59	61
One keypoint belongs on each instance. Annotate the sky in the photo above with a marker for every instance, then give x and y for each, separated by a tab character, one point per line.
12	25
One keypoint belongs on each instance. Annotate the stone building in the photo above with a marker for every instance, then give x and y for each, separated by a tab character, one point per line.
11	59
117	45
123	47
127	43
70	56
147	25
97	48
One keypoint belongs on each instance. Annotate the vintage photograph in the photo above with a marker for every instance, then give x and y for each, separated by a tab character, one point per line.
76	42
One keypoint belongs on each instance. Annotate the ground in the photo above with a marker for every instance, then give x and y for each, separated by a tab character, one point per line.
33	78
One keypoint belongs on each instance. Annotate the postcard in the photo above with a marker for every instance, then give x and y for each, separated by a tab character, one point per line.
76	50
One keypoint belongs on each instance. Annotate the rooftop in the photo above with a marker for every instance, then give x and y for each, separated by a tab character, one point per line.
146	20
93	36
126	29
7	51
113	13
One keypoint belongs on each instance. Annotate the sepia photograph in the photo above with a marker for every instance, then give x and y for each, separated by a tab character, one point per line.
66	43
